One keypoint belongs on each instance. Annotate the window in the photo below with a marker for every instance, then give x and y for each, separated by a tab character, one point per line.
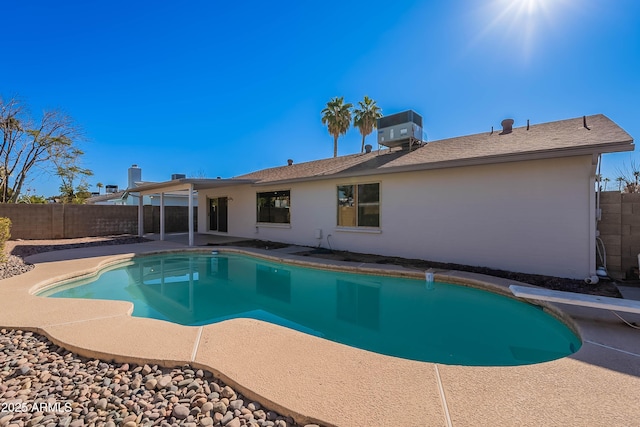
273	207
359	205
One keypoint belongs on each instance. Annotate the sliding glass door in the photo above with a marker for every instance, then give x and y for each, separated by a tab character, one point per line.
218	215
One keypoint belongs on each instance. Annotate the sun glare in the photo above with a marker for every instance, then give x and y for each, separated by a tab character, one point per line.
530	6
519	23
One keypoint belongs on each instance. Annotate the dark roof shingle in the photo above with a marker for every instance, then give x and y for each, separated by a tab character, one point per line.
562	137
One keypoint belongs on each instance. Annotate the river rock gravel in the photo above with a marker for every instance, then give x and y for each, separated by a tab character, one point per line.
42	384
13	266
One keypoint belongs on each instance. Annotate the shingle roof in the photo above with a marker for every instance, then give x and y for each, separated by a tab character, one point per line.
554	139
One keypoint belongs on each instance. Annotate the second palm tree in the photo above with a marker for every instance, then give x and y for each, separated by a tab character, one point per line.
365	117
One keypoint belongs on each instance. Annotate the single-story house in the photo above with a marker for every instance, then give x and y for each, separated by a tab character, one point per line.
521	199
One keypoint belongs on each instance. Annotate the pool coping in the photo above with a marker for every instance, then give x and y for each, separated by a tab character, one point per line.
318	381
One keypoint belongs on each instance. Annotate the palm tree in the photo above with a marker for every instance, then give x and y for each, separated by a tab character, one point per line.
337	117
606	180
99	185
620	180
365	117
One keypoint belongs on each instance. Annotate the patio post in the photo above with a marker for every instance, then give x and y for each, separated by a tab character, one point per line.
190	214
161	215
140	215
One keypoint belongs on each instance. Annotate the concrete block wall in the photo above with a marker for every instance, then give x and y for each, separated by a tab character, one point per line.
34	221
630	233
99	220
620	231
176	219
58	221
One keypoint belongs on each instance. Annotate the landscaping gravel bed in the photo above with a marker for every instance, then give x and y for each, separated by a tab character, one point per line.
13	267
42	384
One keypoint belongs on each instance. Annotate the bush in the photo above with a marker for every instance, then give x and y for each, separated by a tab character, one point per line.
5	234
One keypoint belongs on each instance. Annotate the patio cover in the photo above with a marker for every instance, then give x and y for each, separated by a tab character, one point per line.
189	185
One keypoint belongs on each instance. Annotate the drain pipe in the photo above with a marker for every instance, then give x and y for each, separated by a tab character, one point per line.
592	280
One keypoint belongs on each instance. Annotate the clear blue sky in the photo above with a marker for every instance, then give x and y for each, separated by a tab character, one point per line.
225	88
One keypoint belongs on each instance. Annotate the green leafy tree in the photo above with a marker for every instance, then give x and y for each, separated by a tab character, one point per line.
30	198
337	117
27	144
365	117
70	172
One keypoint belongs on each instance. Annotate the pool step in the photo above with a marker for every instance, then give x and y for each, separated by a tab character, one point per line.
594	301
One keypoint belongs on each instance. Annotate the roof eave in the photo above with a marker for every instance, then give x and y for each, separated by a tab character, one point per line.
184	183
475	161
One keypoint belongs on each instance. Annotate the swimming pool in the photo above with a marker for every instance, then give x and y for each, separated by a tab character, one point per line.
401	317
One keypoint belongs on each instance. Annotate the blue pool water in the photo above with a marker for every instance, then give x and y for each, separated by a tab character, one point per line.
400	317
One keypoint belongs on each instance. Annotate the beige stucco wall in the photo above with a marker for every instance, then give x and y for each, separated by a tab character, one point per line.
532	216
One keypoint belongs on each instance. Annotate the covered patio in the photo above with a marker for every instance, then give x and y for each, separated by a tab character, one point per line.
190	186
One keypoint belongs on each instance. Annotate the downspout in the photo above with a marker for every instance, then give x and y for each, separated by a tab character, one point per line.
594	217
598	210
602	254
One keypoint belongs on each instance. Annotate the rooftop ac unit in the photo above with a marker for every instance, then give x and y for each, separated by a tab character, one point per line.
400	130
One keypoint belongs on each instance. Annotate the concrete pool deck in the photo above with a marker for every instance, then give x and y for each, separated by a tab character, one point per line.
315	380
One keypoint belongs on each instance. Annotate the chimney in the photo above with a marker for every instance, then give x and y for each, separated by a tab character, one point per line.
135	175
367	148
289	162
507	126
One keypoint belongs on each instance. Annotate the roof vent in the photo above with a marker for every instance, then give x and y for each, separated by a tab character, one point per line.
289	162
367	148
507	126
